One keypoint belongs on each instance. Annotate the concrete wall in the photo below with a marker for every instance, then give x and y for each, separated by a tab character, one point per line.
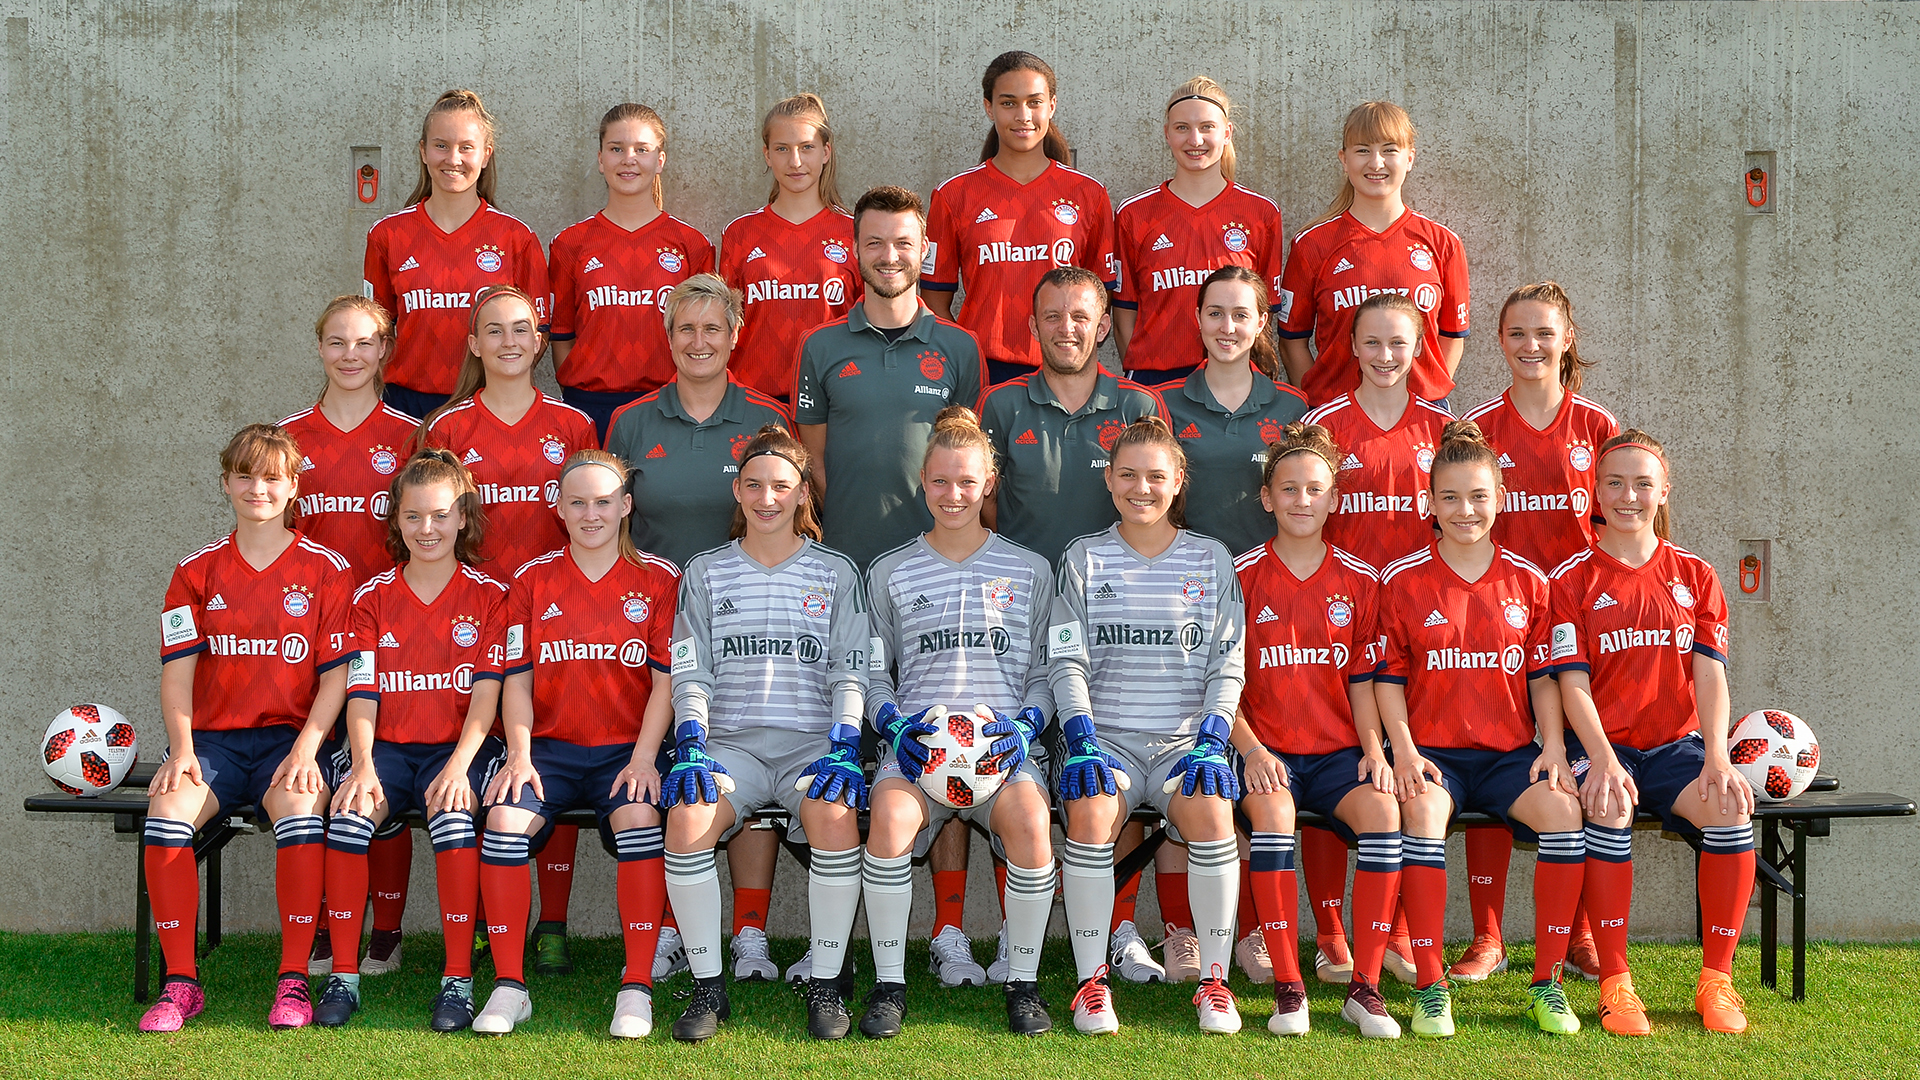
178	208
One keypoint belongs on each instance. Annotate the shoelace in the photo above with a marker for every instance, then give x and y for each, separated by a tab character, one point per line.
1722	995
1214	995
1289	997
1554	996
704	998
336	993
1621	998
1368	998
1094	994
950	948
1433	1000
295	989
823	995
1025	1001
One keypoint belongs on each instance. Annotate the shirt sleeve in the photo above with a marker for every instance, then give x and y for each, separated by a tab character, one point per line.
533	278
562	317
884	631
692	662
1126	294
1365	655
1098	255
493	635
1038	690
666	603
726	259
1066	649
335	644
374	280
1270	265
585	435
520	652
940	269
970	378
1709	615
1226	668
1293	301
705	258
180	631
849	635
1393	639
363	677
1540	632
810	395
1567	647
1454	301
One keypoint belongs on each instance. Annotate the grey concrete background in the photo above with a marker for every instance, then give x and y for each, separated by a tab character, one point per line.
177	210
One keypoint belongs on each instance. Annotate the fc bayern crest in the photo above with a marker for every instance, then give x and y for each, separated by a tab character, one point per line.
1682	595
1339	613
813	605
295	602
1235	238
1271	431
553	450
1000	593
932	365
635	609
465	634
738	447
1424	458
670	260
488	259
1421	258
836	251
1516	616
1110	433
1580	456
384	461
1066	213
1193	590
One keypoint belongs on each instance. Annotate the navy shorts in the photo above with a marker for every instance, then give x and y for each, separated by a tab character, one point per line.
1319	781
406	769
238	765
410	401
1161	376
599	405
576	778
1485	781
1662	774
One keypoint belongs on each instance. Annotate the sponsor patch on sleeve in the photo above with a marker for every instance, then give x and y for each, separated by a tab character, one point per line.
1066	640
1564	641
360	669
876	660
927	261
516	642
176	626
684	657
1285	305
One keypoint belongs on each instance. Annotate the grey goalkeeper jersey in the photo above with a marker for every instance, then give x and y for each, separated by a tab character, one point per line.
1146	645
955	633
770	646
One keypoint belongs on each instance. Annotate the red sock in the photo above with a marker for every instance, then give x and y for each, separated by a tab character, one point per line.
1171	888
1000	882
508	894
1275	894
1489	850
456	874
1323	858
641	886
173	886
389	864
749	905
1125	901
1423	893
1608	894
1401	940
1556	892
298	879
949	898
1582	926
1247	917
1375	894
347	874
1726	887
556	872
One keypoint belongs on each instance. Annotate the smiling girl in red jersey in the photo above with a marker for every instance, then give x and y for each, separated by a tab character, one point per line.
1463	678
1169	238
1547	435
999	226
428	263
586	705
1311	732
423	692
613	272
253	643
1370	242
1640	644
792	259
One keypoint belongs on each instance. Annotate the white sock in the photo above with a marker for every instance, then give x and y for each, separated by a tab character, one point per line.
833	896
1029	903
888	886
1213	891
1088	880
693	887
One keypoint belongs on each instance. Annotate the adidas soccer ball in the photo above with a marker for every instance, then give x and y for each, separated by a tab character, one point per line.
88	749
959	773
1776	752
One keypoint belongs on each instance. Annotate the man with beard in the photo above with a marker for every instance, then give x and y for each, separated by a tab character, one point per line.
1052	428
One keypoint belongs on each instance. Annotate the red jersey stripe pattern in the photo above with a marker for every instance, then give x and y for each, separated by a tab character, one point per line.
792	277
610	290
1307	640
419	661
517	468
1167	247
1383	479
344	480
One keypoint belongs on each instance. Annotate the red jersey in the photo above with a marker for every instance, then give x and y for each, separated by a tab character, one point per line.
1548	513
344	479
610	290
1339	263
1306	642
1166	247
419	661
517	469
267	634
998	237
793	278
1636	632
1465	650
1384	475
590	644
427	279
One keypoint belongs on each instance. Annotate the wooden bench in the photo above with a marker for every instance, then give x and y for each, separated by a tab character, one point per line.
1783	869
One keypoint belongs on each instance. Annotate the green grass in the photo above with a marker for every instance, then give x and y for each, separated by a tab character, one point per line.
66	1010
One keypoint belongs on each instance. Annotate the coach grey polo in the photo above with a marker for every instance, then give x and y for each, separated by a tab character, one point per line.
1226	452
683	469
1053	463
878	399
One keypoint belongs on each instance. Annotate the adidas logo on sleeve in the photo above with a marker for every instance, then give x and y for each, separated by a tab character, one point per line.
1266	616
1604	601
552	612
218	603
411	264
472	457
1163	243
1434	618
986	214
388	641
593	264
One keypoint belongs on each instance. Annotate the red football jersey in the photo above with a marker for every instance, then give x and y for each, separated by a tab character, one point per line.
344	478
1465	650
1636	632
1167	247
998	237
1383	512
590	644
1339	263
1548	513
420	661
427	279
1306	642
517	469
610	290
266	635
793	278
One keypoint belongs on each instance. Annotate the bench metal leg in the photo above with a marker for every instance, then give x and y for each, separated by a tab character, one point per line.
1769	906
1799	910
142	921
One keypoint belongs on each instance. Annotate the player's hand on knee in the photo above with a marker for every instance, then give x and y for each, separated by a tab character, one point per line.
694	778
1089	770
1374	767
1551	766
512	781
449	791
1012	736
1263	772
837	777
174	774
1609	790
1205	768
903	733
1735	791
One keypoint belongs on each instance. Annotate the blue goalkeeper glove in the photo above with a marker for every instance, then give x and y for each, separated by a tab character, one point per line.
1206	768
694	777
903	733
837	776
1012	736
1089	770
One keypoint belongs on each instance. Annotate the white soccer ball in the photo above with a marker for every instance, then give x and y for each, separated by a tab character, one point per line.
1776	752
959	772
88	749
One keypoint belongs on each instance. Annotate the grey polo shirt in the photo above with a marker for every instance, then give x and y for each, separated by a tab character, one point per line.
1226	452
1053	463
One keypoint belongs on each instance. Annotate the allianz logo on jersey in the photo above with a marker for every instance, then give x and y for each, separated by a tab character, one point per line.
1614	641
1179	277
1188	636
631	653
460	680
806	648
1508	660
424	299
1520	502
548	493
1272	656
1059	252
1367	502
292	648
945	640
317	503
615	296
833	290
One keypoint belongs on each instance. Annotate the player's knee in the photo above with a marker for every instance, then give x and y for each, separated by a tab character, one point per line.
1269	812
1372	812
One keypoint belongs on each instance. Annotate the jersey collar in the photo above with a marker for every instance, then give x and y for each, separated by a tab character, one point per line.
920	330
1106	393
729	410
1197	390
